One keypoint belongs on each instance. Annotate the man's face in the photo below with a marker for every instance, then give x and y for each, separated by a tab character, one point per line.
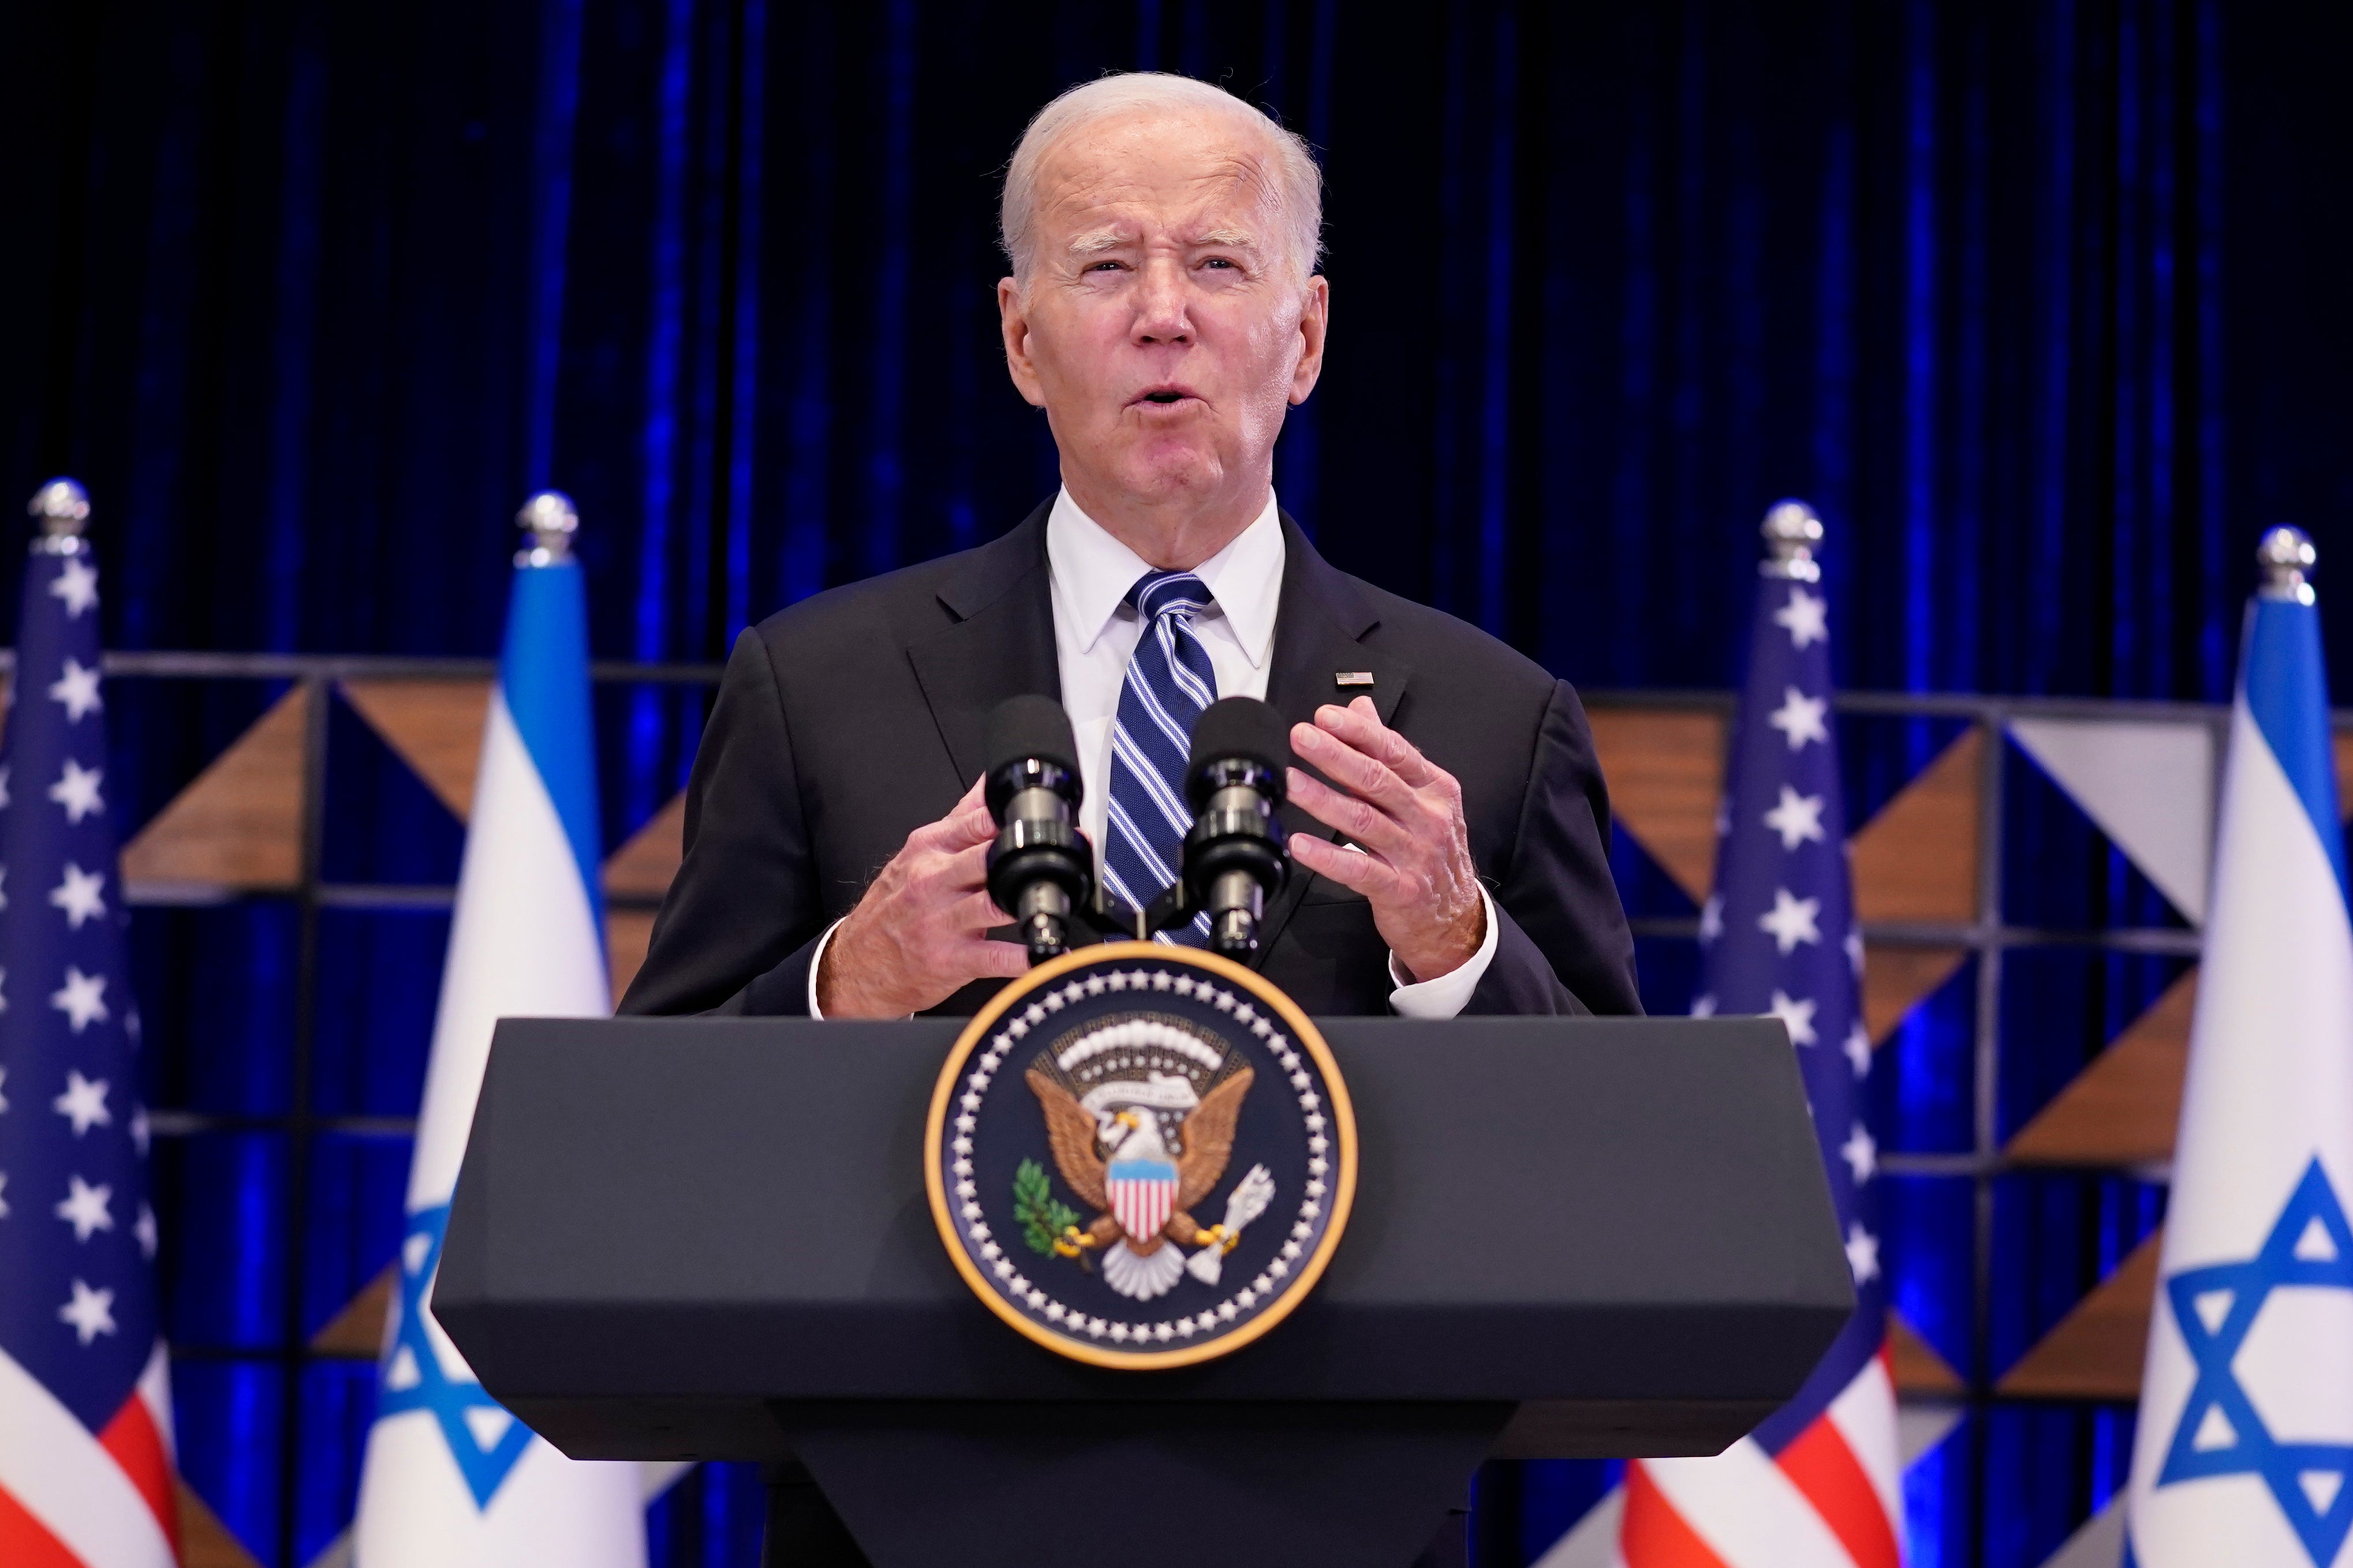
1163	327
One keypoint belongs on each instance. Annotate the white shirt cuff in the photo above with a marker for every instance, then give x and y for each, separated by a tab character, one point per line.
817	959
1440	999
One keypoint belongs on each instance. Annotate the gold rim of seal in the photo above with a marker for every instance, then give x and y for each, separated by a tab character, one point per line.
1343	1123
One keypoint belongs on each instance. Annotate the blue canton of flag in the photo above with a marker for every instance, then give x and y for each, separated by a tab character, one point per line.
1779	937
1820	1482
85	1415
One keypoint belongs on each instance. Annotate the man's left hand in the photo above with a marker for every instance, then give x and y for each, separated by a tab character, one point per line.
1405	813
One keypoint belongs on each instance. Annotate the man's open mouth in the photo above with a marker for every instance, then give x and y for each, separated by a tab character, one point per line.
1166	396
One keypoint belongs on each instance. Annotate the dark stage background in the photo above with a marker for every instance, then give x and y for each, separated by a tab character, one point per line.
2042	305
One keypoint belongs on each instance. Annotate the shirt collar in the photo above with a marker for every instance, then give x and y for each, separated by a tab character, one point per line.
1093	572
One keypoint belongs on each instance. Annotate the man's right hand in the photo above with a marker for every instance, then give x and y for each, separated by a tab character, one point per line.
916	936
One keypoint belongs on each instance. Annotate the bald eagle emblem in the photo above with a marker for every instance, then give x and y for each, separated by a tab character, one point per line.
1140	1155
1139	1115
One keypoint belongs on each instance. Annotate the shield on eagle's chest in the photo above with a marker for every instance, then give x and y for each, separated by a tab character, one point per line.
1143	1196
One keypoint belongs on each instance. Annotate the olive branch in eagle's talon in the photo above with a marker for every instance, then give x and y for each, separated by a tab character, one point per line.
1048	1225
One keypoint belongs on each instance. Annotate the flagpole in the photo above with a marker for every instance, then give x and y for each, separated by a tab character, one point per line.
450	1479
2244	1447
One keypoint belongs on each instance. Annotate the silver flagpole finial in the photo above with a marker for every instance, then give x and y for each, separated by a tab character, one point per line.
2285	555
1791	531
551	522
62	506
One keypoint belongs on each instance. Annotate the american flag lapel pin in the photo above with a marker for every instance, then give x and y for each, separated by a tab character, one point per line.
1352	678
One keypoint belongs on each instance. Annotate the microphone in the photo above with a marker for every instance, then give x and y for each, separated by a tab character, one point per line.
1041	868
1234	860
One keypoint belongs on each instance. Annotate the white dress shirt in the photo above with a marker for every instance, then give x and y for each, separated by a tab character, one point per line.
1095	633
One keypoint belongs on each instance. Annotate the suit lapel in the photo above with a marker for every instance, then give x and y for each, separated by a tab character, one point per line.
1318	634
1001	645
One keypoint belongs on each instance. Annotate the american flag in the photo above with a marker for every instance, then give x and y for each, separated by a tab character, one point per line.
1819	1482
85	1409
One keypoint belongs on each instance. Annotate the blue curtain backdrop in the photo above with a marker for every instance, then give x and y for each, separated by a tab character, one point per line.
2041	304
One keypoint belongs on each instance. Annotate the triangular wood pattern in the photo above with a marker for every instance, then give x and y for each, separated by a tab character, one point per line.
1897	979
436	726
2096	1352
641	869
2123	1110
1664	768
357	1332
239	823
1918	1369
1918	858
204	1540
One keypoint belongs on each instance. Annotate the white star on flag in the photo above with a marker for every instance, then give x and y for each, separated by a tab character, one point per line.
1797	818
77	585
1806	617
77	895
1800	717
139	1128
4	1098
83	1104
1861	1253
77	689
1711	918
4	1202
1790	921
1702	1006
144	1229
91	1313
1797	1015
1861	1154
83	1000
1858	1049
3	873
4	787
1854	953
85	1208
77	789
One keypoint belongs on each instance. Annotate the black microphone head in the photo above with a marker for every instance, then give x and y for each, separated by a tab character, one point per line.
1237	729
1025	730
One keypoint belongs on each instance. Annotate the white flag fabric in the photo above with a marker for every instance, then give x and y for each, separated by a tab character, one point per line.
2245	1437
451	1480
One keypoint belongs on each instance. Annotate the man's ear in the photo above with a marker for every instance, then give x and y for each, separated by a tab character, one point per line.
1013	324
1313	322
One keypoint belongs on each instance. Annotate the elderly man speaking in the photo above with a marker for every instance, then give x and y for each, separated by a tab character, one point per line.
1164	311
1449	824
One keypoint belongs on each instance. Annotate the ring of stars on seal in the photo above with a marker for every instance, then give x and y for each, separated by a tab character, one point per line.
1140	1156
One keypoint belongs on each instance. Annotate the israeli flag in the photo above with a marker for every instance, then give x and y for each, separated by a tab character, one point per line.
451	1480
2245	1444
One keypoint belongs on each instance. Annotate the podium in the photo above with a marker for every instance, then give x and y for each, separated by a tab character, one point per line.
709	1239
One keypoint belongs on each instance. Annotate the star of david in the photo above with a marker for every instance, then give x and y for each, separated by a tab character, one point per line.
482	1435
2309	1245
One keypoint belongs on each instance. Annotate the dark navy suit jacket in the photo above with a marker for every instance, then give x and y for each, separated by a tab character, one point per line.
850	719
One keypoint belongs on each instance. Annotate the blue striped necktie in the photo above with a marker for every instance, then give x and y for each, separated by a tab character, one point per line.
1169	681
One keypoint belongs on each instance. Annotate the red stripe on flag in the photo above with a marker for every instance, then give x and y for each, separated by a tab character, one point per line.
26	1542
136	1445
1821	1466
1653	1535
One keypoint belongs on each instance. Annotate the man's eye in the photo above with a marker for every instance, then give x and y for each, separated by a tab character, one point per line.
1220	261
1104	266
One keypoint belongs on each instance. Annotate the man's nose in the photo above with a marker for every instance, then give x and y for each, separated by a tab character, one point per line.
1161	306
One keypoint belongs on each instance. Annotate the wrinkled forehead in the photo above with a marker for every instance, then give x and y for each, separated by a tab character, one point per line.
1188	174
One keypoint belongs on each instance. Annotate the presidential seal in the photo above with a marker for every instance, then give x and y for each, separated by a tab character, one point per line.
1140	1156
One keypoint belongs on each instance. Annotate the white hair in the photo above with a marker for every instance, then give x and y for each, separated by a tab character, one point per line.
1298	183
